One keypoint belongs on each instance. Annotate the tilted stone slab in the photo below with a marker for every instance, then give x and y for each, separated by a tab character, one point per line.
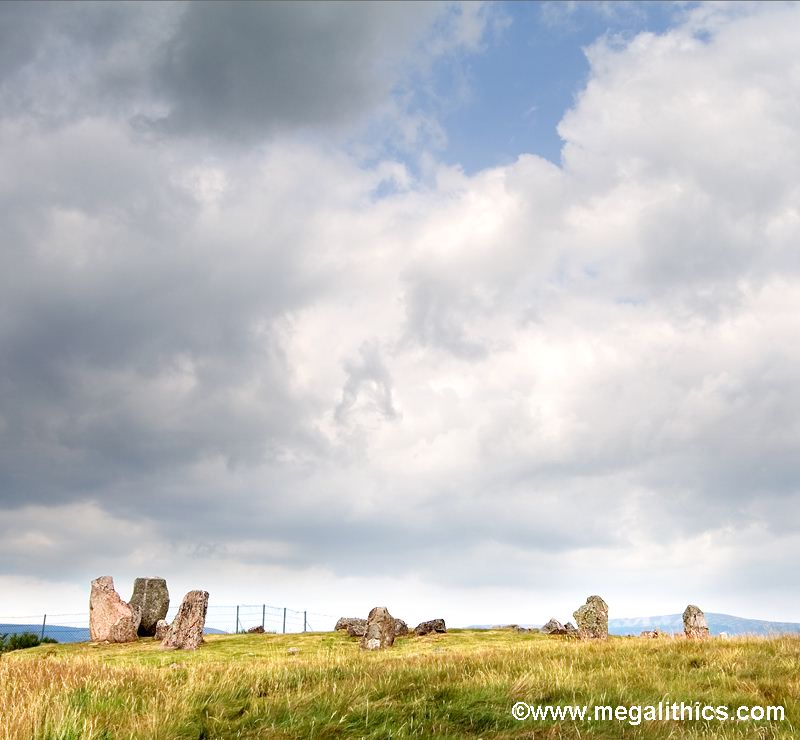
186	630
110	618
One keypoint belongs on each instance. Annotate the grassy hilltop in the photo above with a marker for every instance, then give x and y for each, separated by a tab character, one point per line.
458	685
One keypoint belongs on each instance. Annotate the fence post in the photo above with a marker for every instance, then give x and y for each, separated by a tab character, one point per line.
284	620
44	622
263	615
237	619
305	620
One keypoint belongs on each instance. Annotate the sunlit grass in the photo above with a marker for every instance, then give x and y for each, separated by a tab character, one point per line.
461	684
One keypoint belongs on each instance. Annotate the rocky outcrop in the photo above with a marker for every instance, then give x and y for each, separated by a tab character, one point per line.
592	619
110	618
553	627
379	633
517	628
400	628
432	625
695	626
186	630
162	627
354	626
257	630
152	598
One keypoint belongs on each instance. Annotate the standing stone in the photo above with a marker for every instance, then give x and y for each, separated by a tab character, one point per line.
110	618
380	630
152	597
354	626
695	626
400	628
186	630
162	627
432	625
592	619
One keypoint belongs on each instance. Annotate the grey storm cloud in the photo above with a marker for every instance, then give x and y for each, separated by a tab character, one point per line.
243	69
237	71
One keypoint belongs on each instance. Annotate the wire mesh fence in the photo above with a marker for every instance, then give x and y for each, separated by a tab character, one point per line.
220	619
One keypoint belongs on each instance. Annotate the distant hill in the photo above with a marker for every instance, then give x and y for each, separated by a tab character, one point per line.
62	634
717	623
66	634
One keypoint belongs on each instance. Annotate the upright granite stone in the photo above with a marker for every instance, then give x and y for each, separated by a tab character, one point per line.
110	618
380	630
354	626
186	630
695	626
400	628
152	597
432	625
592	619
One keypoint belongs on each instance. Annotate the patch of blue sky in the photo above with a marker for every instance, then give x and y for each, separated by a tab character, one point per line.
509	98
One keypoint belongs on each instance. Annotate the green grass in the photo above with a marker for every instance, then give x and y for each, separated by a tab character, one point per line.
458	685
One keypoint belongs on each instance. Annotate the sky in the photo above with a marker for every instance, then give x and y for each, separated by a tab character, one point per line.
470	311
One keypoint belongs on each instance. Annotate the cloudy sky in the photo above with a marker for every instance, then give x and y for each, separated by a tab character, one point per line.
468	310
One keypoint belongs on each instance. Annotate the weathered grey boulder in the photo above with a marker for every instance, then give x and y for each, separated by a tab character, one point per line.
400	628
515	628
380	630
571	629
592	619
186	630
523	630
354	626
152	597
162	627
432	625
695	626
110	618
257	630
554	627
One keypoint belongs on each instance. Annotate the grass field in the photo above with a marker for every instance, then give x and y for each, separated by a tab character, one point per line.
458	685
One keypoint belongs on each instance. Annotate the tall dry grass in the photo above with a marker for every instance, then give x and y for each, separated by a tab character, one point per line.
448	686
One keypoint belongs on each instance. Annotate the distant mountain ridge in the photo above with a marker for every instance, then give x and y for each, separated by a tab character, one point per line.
717	624
66	634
